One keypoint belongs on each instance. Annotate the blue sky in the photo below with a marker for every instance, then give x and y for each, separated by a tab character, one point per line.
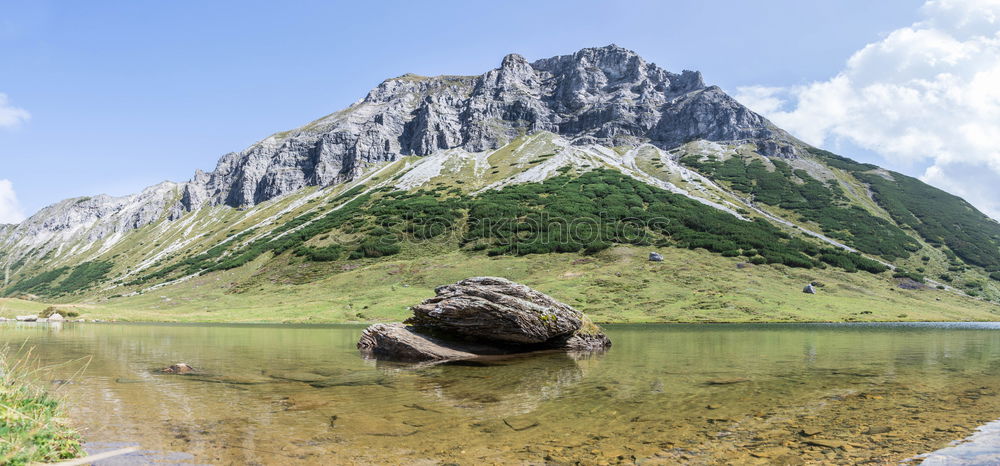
110	97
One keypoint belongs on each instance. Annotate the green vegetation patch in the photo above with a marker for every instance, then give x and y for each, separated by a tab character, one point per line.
816	201
83	276
37	284
603	207
942	219
48	283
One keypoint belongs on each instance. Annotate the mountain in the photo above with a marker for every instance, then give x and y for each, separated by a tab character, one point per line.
511	163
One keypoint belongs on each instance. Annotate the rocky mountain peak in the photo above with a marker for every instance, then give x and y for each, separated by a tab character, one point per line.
606	95
515	61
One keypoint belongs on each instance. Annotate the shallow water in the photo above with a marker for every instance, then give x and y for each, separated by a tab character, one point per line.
663	394
982	447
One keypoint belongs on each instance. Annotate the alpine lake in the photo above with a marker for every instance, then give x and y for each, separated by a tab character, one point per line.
663	394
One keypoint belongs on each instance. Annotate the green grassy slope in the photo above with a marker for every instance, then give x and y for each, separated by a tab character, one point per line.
543	208
615	285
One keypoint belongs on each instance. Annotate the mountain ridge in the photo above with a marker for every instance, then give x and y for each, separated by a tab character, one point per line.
458	138
387	124
563	95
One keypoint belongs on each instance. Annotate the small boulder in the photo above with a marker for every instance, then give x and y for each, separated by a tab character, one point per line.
179	368
809	289
56	317
27	318
655	257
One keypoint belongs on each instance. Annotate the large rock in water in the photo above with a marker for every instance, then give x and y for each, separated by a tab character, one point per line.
483	316
496	309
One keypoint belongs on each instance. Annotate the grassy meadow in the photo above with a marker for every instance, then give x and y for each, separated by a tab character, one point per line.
616	285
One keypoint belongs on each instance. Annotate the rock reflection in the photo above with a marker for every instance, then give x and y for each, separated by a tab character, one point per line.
505	387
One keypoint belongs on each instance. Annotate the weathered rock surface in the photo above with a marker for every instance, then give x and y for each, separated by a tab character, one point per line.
810	289
483	316
402	343
496	309
655	257
583	341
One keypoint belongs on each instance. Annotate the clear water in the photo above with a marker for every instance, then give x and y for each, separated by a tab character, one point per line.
705	394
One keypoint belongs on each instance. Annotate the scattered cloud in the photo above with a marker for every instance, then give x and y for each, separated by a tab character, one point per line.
925	95
10	209
11	116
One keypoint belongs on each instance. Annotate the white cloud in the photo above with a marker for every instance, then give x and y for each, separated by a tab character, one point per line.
11	116
10	209
926	94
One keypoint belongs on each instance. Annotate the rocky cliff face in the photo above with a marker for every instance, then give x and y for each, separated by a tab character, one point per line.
607	95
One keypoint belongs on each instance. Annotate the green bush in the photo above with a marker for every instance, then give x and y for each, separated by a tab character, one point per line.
900	273
323	254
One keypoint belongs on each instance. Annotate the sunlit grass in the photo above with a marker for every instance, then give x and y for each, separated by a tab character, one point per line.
616	285
31	429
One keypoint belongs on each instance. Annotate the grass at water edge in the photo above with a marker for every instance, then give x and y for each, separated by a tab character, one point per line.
31	427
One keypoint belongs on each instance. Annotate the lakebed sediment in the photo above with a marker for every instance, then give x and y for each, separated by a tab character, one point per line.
663	394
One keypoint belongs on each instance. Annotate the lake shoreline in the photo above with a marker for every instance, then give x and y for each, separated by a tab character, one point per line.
600	322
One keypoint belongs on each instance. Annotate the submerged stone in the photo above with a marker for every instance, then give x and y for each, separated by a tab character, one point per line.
179	368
